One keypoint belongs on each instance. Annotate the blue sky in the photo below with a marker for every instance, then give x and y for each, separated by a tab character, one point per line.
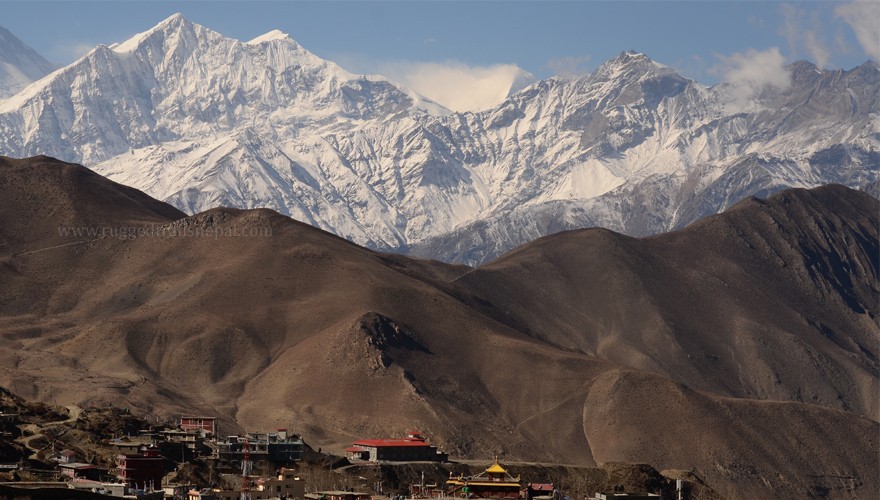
496	39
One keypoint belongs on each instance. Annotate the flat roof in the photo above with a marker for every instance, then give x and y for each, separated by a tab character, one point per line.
338	492
319	494
137	458
484	483
35	484
94	483
541	486
77	465
391	443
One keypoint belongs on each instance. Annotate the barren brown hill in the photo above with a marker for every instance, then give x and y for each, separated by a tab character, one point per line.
656	420
42	194
774	299
567	350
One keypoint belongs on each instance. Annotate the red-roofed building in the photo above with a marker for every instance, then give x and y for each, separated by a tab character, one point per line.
412	448
539	490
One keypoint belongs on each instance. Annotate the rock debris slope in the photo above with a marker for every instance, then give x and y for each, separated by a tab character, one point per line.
744	347
201	120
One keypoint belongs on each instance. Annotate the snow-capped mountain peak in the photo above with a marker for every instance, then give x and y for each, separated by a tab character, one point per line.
199	119
632	67
271	36
628	62
181	80
176	39
171	26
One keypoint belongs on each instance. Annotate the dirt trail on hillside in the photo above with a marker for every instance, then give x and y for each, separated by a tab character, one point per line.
38	431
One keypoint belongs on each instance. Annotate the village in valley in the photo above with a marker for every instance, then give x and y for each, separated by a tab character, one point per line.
95	453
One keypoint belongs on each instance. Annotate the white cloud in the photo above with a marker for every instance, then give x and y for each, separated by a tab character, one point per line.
752	71
757	69
458	86
864	18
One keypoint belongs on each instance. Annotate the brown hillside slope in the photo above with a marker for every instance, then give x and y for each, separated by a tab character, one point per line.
40	194
774	299
271	322
640	417
267	322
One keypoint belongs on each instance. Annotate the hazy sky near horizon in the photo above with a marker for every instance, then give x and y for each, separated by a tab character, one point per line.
440	48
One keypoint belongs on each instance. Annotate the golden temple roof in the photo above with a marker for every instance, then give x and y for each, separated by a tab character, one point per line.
496	468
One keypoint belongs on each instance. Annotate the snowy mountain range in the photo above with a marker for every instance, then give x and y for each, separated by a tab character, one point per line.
199	120
20	65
